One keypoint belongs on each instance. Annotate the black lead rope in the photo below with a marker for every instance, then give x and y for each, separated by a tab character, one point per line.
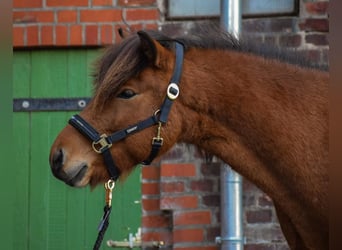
104	223
102	143
102	227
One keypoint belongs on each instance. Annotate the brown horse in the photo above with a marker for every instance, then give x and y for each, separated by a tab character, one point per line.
264	116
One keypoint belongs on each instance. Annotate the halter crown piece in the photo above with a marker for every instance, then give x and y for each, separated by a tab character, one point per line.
101	143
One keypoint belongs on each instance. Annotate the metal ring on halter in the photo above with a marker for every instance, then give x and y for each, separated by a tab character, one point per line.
172	91
110	184
157	112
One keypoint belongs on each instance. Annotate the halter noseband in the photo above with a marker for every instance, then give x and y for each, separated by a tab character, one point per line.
102	143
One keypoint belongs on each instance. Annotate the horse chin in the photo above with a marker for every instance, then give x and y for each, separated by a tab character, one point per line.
77	177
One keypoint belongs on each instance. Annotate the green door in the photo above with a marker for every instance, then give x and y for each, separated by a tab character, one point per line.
47	213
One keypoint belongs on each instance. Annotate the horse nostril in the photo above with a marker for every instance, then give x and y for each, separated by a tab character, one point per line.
57	161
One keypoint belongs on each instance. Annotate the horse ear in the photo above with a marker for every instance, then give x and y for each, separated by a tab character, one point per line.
153	50
123	33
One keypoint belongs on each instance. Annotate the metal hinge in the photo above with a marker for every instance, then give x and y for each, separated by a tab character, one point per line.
49	104
134	241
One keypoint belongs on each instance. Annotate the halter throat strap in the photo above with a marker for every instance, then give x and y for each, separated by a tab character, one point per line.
102	143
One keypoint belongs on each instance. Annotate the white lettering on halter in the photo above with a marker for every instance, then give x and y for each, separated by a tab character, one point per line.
130	130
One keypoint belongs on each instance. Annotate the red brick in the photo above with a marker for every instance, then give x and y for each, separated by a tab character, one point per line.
268	25
211	169
106	34
112	15
312	55
202	185
180	170
136	2
61	32
211	200
18	36
317	39
271	40
155	221
33	16
71	3
150	172
91	34
32	36
325	56
150	188
315	24
181	202
76	35
265	201
102	2
27	3
317	8
188	235
172	187
259	216
213	232
18	18
157	235
292	41
46	35
151	204
142	14
191	218
69	16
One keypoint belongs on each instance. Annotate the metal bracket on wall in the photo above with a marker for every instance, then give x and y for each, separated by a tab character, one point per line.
137	244
49	104
134	241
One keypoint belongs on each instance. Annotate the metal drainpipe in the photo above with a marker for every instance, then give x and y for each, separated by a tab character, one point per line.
231	182
231	210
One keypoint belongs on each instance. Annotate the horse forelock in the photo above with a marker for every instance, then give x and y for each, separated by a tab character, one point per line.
118	64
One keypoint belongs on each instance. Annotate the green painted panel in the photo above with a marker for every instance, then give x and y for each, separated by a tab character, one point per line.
49	74
79	82
21	74
47	213
39	180
20	187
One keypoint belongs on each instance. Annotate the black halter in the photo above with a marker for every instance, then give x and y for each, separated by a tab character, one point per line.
102	143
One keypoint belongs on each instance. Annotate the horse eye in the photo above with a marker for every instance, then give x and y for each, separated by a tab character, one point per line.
126	94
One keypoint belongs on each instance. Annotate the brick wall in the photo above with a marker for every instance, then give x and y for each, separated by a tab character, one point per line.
307	32
181	201
181	205
94	23
78	22
180	193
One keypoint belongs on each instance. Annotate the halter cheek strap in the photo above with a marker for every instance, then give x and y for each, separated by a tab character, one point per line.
102	143
88	131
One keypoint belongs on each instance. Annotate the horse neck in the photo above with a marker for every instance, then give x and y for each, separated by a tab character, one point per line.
253	114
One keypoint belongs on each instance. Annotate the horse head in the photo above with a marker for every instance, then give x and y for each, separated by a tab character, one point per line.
131	84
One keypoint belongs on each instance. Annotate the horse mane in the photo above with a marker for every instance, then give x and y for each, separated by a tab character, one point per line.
212	36
125	60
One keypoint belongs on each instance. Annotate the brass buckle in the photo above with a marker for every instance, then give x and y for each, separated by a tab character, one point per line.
158	138
109	186
101	144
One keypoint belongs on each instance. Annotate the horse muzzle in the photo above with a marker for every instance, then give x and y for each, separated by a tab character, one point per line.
73	175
